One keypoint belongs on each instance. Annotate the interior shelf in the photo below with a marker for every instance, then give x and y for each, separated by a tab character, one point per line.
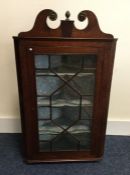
63	102
65	115
42	73
50	128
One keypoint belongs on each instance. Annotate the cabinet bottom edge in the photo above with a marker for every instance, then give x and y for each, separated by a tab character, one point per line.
33	161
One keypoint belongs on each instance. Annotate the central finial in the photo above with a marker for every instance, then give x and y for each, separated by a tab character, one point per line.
67	14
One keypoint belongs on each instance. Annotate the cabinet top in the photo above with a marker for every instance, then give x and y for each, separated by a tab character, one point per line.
67	28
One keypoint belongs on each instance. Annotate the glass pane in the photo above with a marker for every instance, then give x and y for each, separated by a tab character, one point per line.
41	61
65	142
90	61
43	113
87	101
67	64
84	84
43	101
84	139
65	96
65	116
86	112
48	130
81	126
81	131
46	85
55	61
65	87
44	146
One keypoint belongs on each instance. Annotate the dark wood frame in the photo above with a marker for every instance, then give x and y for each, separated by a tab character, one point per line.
65	39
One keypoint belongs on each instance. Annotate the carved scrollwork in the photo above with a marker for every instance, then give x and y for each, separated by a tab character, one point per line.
67	28
53	16
92	19
82	16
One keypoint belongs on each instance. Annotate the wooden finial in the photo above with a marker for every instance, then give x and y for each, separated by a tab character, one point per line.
67	14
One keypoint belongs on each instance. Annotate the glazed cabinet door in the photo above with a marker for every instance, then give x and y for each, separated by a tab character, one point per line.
61	105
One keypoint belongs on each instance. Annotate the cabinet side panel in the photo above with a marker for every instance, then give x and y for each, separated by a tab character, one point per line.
100	121
109	55
19	81
25	86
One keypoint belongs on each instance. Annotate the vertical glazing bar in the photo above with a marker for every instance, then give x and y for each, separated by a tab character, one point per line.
82	63
78	145
80	108
50	146
50	98
49	62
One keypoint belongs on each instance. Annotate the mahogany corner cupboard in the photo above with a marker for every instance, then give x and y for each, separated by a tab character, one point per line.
64	78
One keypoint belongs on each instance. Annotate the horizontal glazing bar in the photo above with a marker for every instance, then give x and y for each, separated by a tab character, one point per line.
63	74
47	69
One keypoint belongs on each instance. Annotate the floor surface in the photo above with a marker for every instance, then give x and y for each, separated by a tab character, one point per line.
116	160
